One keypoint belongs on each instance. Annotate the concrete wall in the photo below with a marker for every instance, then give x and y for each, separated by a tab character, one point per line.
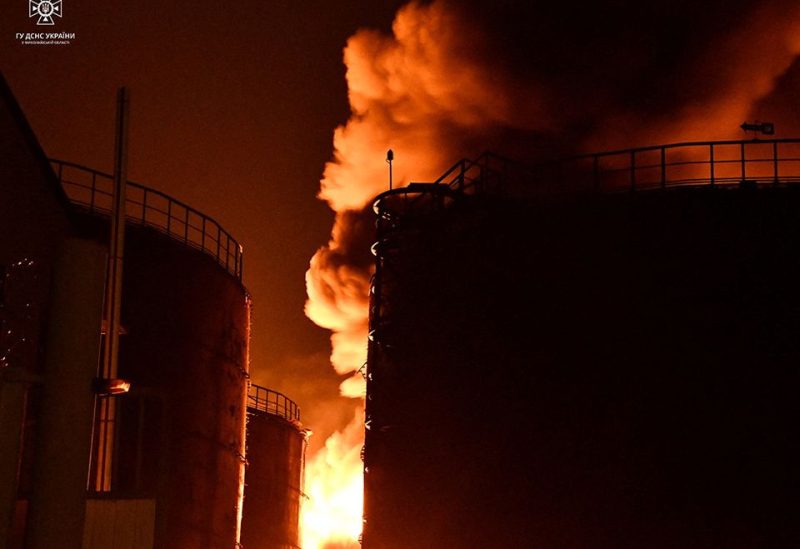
119	523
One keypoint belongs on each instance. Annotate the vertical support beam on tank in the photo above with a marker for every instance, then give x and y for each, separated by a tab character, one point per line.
64	444
711	162
242	440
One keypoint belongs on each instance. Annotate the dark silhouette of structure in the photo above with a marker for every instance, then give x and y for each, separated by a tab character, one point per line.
166	468
598	352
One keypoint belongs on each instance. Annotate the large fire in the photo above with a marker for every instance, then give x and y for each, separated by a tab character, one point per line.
447	84
334	483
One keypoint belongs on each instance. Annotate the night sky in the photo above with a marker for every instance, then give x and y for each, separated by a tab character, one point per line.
233	107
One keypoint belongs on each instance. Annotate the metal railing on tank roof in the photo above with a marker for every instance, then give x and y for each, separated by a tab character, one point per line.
92	191
698	163
272	402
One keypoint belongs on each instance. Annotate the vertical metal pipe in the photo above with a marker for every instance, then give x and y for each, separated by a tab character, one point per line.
113	302
117	240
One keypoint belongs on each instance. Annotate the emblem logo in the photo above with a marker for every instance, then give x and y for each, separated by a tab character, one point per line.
45	10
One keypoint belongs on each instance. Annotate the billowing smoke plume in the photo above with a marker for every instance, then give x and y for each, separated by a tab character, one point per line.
454	80
533	81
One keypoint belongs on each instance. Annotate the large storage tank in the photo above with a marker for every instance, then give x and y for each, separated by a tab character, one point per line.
83	463
580	369
174	464
171	473
276	445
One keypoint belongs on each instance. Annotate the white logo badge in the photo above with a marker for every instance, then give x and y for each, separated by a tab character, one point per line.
45	10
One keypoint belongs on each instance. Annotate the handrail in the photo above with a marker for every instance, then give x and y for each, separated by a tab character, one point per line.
692	163
92	190
272	402
689	144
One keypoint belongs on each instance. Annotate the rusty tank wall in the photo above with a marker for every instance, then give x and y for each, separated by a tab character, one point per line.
612	372
275	455
180	429
186	348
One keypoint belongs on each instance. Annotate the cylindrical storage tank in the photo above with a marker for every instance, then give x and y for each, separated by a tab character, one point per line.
611	371
173	450
176	468
181	429
276	445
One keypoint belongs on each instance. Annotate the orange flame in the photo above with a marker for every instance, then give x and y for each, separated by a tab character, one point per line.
334	485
